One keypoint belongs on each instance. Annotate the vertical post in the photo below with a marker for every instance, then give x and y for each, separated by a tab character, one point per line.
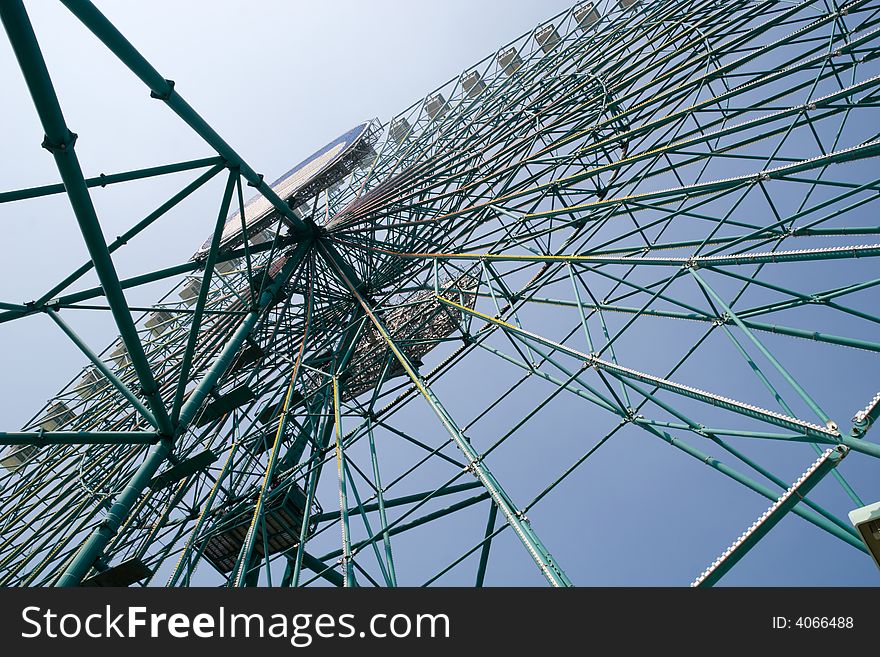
380	497
343	498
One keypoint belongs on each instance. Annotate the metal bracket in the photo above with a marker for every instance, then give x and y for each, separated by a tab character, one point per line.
167	94
60	147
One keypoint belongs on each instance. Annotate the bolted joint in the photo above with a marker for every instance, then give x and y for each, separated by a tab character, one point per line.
473	466
63	146
164	96
148	393
256	184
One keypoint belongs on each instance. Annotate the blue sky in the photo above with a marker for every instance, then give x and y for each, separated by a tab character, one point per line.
280	79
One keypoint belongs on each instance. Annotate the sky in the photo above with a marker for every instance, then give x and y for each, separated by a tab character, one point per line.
278	80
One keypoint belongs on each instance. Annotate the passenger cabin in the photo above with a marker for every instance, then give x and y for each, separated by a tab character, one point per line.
283	514
119	355
57	415
436	106
262	237
226	266
158	322
547	37
88	384
190	292
586	15
472	84
509	60
16	456
399	129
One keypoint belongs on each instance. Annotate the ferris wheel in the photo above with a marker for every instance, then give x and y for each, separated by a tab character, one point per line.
444	340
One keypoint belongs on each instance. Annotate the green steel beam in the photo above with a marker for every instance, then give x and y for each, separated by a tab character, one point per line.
381	503
412	524
802	255
484	553
45	438
400	501
92	549
808	400
829	460
518	522
164	90
687	391
845	527
322	569
60	142
709	318
347	555
865	418
201	298
183	560
846	535
112	178
126	283
102	368
246	553
134	230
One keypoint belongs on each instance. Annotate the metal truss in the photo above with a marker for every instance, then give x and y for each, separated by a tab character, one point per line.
654	212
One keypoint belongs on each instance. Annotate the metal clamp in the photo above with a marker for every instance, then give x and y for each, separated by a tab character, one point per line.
167	94
62	146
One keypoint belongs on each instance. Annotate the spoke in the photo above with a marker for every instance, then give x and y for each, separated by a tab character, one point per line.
515	518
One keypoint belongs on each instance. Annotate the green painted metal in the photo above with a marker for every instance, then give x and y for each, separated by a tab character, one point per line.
484	553
60	142
655	186
102	367
112	178
77	437
134	231
91	549
530	540
164	90
195	325
825	464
